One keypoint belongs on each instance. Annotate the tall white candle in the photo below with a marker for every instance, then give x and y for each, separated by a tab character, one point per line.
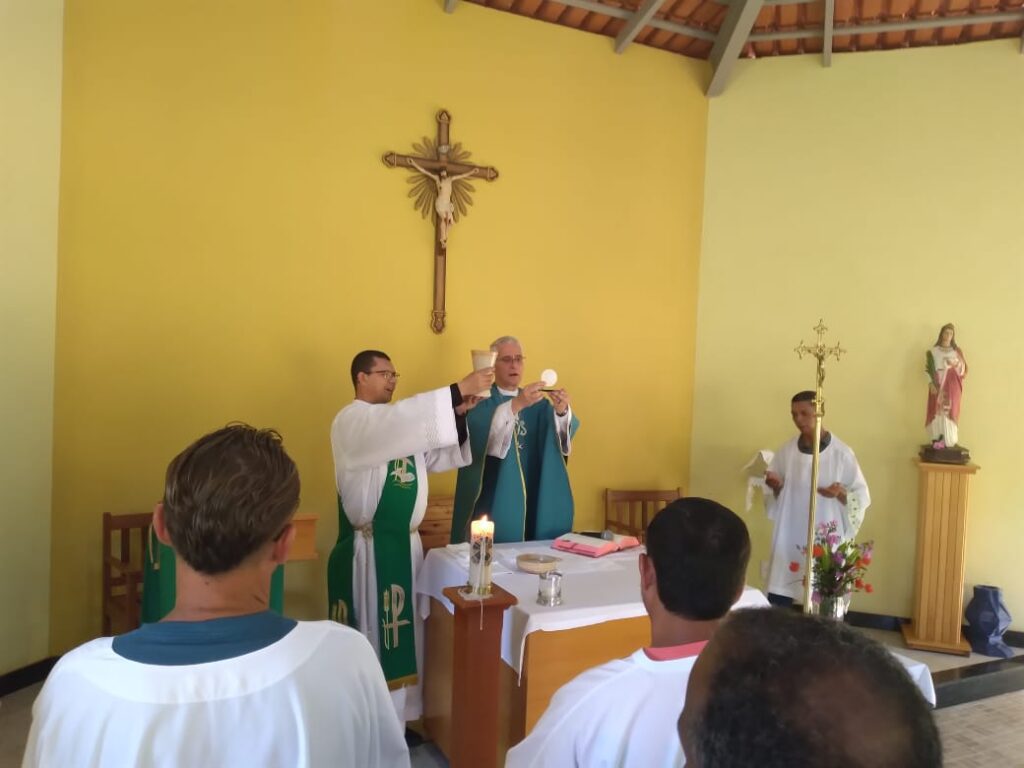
481	536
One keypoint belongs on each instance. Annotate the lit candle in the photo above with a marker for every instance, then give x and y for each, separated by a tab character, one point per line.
481	535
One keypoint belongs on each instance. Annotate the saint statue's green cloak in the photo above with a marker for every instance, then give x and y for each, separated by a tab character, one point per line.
527	493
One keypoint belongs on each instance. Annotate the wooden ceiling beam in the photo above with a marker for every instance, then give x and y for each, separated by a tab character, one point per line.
735	30
622	13
639	20
826	48
898	26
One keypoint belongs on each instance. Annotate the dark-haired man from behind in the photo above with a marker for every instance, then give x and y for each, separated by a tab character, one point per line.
778	689
623	713
221	680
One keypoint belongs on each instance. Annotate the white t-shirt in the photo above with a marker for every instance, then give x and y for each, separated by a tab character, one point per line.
621	714
316	697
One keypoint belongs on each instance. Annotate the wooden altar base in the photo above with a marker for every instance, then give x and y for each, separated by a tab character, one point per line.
550	660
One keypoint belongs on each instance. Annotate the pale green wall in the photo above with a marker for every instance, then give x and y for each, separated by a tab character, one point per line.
885	194
30	82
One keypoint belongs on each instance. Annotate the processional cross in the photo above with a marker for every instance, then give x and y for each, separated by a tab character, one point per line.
440	187
820	352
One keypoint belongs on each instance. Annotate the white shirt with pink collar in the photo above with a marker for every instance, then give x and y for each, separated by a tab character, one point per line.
621	714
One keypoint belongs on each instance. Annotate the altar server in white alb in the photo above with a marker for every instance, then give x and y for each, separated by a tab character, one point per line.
382	454
221	680
843	497
623	713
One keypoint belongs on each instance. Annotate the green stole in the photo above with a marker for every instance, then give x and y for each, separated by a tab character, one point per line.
527	493
158	582
392	552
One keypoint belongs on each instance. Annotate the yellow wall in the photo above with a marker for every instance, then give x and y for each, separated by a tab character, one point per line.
883	194
30	61
230	237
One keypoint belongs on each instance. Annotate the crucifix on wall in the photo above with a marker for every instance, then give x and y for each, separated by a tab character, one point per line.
441	188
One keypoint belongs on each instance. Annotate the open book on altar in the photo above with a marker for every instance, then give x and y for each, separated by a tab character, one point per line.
591	546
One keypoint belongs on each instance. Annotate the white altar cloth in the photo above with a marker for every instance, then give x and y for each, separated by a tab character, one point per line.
594	590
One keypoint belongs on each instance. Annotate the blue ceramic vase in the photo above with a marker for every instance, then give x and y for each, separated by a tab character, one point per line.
988	619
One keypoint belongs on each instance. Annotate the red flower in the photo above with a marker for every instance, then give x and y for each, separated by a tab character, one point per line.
818	551
794	566
868	588
866	559
859	583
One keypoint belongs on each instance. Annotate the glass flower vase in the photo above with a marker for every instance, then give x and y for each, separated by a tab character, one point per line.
830	607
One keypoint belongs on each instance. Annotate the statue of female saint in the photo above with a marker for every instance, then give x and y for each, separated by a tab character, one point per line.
946	368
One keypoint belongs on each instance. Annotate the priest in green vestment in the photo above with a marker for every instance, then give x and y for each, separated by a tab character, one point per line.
520	443
382	454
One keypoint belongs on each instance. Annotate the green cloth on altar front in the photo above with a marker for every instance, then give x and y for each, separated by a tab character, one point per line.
527	493
158	584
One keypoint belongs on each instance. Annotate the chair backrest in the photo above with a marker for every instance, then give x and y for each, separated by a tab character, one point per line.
436	528
124	547
629	512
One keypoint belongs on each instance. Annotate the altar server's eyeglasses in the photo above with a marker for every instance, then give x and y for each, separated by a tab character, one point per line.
388	375
506	359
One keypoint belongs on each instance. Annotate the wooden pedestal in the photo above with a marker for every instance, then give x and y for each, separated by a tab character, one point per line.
939	580
476	662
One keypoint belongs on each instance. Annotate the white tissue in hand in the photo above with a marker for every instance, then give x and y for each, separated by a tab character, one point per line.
549	377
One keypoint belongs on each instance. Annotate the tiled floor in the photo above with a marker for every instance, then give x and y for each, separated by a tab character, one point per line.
15	719
984	733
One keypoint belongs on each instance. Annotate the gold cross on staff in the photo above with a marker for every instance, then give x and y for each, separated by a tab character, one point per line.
820	352
440	187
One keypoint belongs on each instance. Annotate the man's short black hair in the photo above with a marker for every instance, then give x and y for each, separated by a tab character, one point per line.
807	396
790	690
363	362
700	551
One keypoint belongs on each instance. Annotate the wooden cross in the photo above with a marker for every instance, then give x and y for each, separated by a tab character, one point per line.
440	187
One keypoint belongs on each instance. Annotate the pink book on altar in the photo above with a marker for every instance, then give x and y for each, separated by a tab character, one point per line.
591	546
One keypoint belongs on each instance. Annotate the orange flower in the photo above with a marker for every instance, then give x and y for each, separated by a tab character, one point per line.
794	566
859	583
818	551
868	588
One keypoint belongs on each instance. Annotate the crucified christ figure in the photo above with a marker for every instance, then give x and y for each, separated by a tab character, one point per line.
443	202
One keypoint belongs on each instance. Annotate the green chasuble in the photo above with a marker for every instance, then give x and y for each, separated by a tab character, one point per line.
158	583
527	493
388	534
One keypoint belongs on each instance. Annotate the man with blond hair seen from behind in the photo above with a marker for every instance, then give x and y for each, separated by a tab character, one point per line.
221	680
623	713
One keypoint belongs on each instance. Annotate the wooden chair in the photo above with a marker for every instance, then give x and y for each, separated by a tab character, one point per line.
436	528
629	512
124	547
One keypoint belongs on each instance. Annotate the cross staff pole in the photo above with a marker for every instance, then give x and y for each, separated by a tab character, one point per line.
820	352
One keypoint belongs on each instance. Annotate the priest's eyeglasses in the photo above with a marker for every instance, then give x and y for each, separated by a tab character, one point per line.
388	375
506	359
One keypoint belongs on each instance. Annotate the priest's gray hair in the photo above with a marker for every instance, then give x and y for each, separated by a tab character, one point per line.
504	340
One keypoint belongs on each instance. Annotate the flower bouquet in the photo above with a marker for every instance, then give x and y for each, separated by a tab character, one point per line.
838	568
